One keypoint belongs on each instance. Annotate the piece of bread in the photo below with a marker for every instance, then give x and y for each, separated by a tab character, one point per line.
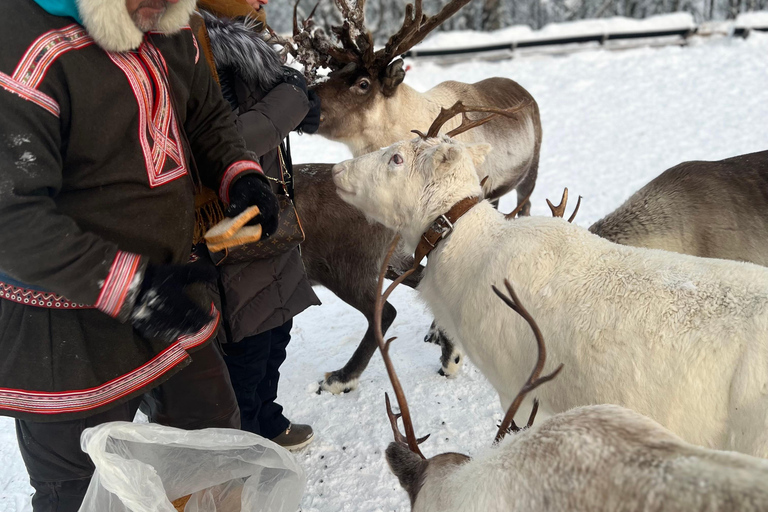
245	235
227	228
181	503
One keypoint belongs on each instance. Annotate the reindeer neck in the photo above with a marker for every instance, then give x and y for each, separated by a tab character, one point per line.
442	227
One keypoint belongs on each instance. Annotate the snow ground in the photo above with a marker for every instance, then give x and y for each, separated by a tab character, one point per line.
612	121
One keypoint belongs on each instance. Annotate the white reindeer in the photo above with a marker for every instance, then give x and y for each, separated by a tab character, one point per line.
596	458
678	338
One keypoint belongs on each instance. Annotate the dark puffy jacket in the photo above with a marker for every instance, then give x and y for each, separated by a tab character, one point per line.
264	294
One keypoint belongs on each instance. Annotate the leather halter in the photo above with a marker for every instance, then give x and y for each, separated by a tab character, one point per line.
442	227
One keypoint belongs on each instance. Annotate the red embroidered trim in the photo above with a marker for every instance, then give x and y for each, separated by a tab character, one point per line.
40	402
232	172
36	298
29	94
46	49
192	340
36	61
115	288
158	129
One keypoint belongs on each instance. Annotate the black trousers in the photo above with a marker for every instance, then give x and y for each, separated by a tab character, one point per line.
254	364
199	396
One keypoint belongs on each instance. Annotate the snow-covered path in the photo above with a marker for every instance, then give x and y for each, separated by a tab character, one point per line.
612	121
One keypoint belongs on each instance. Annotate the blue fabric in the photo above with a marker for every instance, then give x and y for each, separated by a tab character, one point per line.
61	8
5	278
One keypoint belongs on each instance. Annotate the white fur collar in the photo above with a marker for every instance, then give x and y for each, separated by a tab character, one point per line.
108	22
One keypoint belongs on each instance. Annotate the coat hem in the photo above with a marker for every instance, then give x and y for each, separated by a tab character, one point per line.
66	405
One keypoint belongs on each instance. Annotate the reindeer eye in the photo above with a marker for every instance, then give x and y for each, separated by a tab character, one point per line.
396	159
364	84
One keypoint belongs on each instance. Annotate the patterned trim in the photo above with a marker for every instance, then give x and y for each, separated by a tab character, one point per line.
29	94
36	61
158	129
115	288
232	172
38	402
36	298
46	49
192	340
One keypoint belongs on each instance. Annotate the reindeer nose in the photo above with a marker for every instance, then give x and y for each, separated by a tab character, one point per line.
338	169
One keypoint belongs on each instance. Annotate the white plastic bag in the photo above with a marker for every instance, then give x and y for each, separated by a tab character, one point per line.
142	467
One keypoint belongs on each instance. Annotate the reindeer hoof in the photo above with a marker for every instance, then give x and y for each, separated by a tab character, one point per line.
336	385
433	336
453	366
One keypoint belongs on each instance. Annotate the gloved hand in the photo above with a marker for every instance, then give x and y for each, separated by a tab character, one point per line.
311	121
253	190
293	77
162	309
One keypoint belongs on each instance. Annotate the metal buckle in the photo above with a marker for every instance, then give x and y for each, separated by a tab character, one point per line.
445	230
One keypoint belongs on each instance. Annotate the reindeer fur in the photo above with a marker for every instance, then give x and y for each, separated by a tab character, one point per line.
343	252
596	458
378	120
683	340
709	209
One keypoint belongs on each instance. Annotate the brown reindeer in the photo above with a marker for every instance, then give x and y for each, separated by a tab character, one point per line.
709	209
598	458
366	105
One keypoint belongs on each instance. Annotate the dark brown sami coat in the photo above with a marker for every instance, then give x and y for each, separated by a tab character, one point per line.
94	184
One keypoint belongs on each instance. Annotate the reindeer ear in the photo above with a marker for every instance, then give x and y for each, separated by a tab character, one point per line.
479	152
446	152
392	77
408	467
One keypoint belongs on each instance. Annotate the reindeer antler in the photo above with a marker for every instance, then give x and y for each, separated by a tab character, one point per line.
511	215
410	437
416	26
446	114
559	210
534	380
357	42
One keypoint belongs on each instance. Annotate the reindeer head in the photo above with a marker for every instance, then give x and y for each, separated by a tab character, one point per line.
417	474
408	184
362	80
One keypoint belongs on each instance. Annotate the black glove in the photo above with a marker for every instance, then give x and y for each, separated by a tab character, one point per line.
253	190
162	309
293	77
311	121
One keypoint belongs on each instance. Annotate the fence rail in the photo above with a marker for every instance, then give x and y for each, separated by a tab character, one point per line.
683	33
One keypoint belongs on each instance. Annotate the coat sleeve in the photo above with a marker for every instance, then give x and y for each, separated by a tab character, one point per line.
269	121
218	149
40	246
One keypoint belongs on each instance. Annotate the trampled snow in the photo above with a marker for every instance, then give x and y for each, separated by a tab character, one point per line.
612	121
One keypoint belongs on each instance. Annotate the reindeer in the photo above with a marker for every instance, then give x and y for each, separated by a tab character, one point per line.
366	105
597	458
343	251
709	209
677	338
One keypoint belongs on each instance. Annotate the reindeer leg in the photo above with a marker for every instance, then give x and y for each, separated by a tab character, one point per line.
526	186
346	378
451	358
